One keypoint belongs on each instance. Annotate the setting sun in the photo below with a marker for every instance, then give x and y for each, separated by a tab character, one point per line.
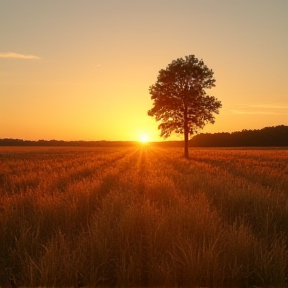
144	138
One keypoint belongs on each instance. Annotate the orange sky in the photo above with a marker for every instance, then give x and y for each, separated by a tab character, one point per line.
80	70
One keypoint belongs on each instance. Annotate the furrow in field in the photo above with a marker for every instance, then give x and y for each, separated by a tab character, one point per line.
147	224
142	216
268	168
234	195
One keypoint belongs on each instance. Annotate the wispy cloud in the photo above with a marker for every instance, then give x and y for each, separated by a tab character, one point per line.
249	112
18	56
270	106
261	109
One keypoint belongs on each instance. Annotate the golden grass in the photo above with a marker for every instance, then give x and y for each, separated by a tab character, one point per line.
143	216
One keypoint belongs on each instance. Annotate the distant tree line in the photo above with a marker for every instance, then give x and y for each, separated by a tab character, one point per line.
268	136
62	143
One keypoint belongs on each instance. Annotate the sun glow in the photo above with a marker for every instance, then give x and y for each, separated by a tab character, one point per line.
144	138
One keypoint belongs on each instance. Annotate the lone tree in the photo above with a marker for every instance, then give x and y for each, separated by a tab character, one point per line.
180	101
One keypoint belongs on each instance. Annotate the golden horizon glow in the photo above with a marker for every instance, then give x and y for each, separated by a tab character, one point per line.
144	138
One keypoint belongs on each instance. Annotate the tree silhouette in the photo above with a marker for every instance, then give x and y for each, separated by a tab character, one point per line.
180	101
268	136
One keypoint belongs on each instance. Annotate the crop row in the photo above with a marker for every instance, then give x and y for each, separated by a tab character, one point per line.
143	216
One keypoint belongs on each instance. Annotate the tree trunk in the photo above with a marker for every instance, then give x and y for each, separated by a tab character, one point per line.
186	134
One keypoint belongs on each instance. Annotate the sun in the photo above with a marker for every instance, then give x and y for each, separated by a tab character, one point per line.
144	138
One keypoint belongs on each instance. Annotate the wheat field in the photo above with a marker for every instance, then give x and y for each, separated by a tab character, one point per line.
143	216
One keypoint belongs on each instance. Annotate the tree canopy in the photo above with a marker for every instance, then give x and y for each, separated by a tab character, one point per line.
180	100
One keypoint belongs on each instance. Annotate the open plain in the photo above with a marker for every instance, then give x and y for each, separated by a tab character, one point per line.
143	216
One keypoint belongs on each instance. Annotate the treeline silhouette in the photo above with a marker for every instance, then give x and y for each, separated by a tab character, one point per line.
268	136
62	143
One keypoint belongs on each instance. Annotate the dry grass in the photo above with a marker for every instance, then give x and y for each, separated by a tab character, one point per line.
143	216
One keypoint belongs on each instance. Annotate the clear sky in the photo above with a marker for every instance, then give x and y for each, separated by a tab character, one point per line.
81	69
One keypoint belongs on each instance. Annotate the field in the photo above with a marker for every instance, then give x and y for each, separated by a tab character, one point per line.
143	216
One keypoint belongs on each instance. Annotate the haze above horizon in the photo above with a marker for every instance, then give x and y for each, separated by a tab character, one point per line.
80	70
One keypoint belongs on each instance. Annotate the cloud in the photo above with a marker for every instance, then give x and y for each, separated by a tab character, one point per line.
275	105
261	109
270	106
247	112
18	56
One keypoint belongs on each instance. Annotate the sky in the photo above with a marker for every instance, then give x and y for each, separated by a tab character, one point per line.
81	69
